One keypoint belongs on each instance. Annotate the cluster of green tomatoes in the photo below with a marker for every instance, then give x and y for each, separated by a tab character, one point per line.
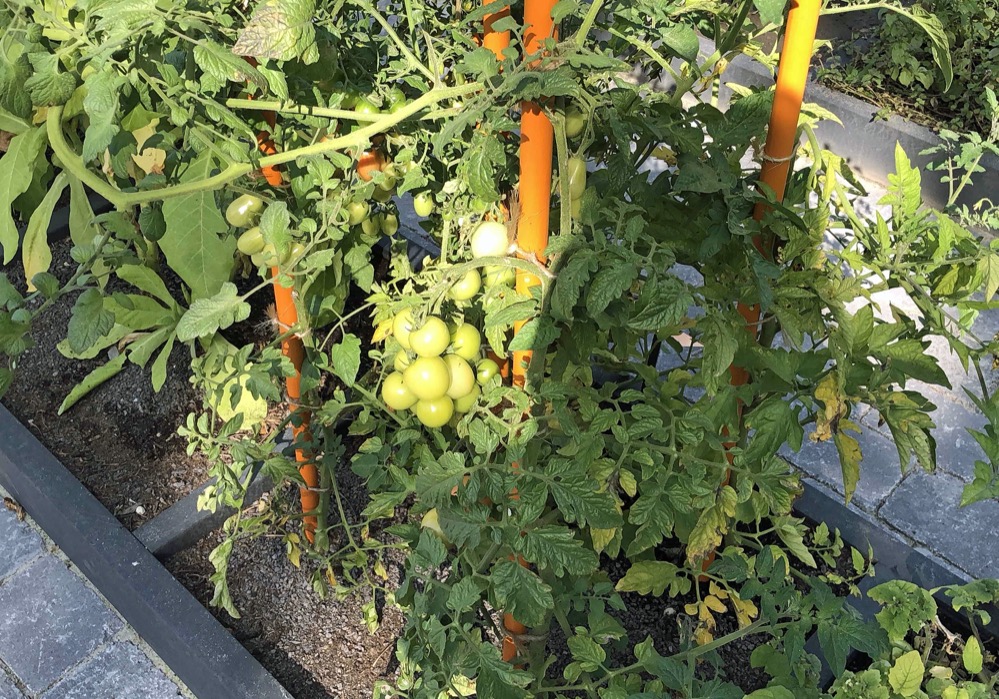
438	370
244	212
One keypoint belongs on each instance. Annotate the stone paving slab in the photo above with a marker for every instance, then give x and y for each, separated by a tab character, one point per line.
7	688
51	621
925	507
880	471
118	671
21	543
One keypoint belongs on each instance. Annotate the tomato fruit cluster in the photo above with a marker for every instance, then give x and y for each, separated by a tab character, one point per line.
433	372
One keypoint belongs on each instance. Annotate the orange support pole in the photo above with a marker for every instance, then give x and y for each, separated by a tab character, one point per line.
536	144
781	144
287	318
292	347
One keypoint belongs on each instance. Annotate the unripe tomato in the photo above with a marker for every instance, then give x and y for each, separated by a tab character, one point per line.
500	274
435	413
576	208
468	401
428	378
269	255
402	326
431	338
369	161
296	253
365	106
389	224
387	184
423	204
485	370
251	242
466	287
382	195
243	210
372	225
401	360
490	240
466	342
577	177
395	394
462	377
395	100
575	122
357	211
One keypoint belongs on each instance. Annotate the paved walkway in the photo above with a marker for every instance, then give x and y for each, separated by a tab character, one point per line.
59	638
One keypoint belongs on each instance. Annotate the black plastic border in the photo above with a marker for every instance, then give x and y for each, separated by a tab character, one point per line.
206	657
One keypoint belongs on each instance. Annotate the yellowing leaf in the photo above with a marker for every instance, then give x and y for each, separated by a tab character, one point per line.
745	611
383	330
712	525
972	656
906	675
703	636
834	407
714	604
601	538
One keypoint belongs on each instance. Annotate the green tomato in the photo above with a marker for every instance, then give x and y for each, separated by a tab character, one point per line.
575	122
270	255
257	259
395	394
466	287
395	100
577	177
431	338
466	342
381	195
372	225
435	413
401	360
402	326
576	208
389	224
468	401
428	378
388	182
423	204
251	242
485	370
365	106
462	377
243	210
357	211
500	275
490	240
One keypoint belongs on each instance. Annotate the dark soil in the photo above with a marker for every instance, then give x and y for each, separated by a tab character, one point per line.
121	440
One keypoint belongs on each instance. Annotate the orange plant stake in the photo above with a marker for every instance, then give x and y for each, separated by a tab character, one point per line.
292	347
536	142
782	141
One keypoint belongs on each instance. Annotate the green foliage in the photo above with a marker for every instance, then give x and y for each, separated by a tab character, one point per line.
930	61
514	506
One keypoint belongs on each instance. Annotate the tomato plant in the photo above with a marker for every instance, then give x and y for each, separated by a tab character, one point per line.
626	441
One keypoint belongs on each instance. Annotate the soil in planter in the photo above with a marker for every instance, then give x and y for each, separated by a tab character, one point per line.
121	440
317	649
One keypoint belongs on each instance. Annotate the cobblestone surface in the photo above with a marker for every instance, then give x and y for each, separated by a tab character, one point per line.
59	639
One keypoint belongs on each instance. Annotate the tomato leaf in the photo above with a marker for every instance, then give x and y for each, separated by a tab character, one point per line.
280	30
92	381
209	315
35	252
906	675
191	244
17	168
556	548
346	358
90	320
520	592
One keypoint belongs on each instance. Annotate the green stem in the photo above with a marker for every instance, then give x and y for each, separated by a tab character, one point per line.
123	200
390	31
588	20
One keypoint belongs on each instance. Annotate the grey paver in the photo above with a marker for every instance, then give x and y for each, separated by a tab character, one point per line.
957	450
925	507
879	471
20	543
7	688
117	671
51	621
